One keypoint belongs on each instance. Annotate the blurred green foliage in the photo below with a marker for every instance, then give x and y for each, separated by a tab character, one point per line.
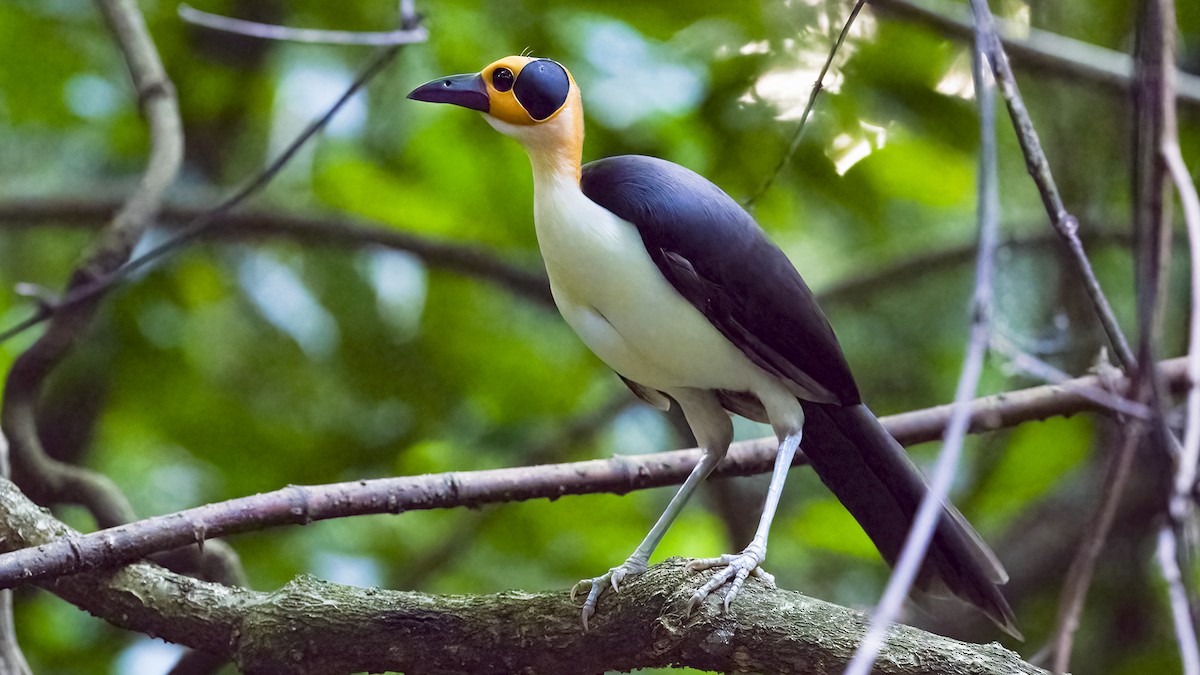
243	366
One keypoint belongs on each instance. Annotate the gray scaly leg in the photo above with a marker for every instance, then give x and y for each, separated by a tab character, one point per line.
739	566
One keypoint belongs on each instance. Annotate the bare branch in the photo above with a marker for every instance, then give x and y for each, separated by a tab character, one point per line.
43	476
301	505
921	263
466	259
1181	613
1036	49
1160	22
1031	365
50	480
1153	124
1153	121
55	480
930	511
310	626
12	659
1063	222
1185	477
264	31
1083	565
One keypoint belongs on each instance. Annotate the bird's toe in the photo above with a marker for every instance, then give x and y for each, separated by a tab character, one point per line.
734	569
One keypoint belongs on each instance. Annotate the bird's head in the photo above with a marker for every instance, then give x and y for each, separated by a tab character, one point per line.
532	100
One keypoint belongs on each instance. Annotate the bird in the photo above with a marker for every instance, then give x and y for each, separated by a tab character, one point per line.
675	286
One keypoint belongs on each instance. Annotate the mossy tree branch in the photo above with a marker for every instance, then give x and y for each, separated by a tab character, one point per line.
311	626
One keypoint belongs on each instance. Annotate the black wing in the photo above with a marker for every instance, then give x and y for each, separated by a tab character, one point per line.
718	258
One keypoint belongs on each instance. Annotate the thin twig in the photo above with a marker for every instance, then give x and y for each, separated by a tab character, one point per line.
932	503
1029	364
12	659
192	230
265	31
1035	49
1181	507
1083	565
812	99
304	504
902	272
33	468
1185	477
28	460
1062	221
1153	119
1181	613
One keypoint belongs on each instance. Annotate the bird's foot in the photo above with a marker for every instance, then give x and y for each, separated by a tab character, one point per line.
599	584
737	567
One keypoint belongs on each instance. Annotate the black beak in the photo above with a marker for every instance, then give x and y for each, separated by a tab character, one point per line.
468	91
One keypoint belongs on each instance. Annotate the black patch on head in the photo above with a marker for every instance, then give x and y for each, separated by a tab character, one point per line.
542	88
502	79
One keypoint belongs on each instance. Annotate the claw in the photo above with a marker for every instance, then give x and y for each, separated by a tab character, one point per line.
764	576
596	586
587	611
615	576
737	568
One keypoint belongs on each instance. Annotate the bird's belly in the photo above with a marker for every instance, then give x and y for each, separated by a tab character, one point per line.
659	344
614	297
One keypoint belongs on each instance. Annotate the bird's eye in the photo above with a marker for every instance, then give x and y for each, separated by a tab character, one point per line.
502	79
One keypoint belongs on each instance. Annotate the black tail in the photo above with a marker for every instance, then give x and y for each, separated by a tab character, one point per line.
873	477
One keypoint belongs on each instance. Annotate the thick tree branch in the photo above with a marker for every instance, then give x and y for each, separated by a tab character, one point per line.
47	479
468	260
299	505
1038	50
311	626
1153	123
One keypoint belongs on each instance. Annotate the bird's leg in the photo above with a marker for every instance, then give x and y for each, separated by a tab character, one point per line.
739	566
639	561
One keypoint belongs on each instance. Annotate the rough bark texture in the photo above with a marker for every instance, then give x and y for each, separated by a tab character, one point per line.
767	630
311	626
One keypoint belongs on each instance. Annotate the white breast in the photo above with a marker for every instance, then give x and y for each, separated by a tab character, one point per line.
612	294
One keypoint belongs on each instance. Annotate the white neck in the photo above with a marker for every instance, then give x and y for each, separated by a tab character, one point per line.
555	147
